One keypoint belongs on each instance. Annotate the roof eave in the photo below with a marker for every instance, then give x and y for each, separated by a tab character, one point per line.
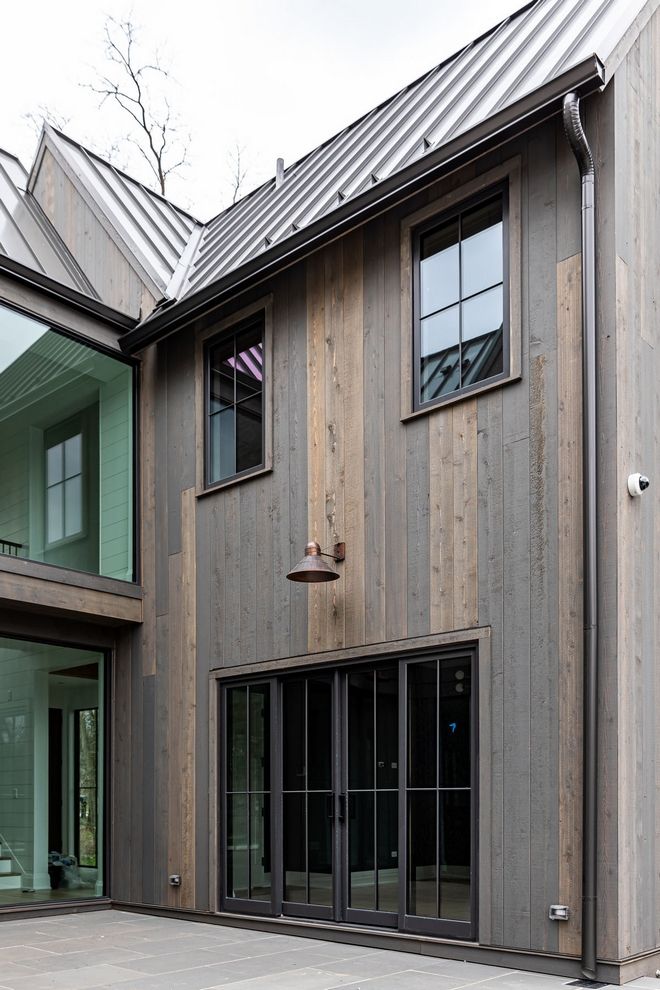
584	78
77	300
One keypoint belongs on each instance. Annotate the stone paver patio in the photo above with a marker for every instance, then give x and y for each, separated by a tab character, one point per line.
139	952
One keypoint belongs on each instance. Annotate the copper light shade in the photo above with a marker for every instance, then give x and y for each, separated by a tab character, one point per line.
313	569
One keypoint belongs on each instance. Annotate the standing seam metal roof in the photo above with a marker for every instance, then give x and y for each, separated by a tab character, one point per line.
144	224
25	234
520	55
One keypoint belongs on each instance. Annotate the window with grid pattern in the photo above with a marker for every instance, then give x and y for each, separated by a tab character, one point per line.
235	402
460	307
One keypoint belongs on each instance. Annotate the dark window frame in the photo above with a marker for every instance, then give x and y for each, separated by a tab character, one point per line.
234	332
340	913
453	213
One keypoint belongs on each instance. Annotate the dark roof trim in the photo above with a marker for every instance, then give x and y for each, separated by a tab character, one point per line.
584	78
51	287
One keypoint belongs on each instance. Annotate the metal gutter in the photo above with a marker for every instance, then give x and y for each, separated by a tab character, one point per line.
580	147
71	297
584	78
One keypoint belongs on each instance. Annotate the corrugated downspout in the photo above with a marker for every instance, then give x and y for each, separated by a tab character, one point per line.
578	142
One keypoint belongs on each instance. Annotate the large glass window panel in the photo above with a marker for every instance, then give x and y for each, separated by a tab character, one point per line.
52	723
66	445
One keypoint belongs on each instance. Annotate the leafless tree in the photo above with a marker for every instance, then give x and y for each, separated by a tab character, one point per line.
45	115
238	171
139	86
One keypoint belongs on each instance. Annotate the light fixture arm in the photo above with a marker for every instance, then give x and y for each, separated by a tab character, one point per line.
338	552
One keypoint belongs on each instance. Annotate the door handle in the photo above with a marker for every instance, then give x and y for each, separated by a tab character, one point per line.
342	808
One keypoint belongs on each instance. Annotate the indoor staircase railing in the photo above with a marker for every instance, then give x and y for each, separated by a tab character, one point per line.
5	845
11	548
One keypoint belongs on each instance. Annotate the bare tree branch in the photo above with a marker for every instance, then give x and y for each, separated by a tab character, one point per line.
136	88
45	115
238	171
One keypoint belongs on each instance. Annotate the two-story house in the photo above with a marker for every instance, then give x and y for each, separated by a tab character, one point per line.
445	739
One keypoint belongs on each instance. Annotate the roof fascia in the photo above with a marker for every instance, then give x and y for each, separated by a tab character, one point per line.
584	78
77	300
129	251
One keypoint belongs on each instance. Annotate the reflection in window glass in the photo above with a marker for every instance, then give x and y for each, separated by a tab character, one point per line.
247	763
236	403
66	447
52	721
461	306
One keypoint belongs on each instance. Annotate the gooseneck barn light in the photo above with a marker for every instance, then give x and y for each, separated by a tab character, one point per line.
313	569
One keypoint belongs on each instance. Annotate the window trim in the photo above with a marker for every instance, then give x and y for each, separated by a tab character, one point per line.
505	177
206	339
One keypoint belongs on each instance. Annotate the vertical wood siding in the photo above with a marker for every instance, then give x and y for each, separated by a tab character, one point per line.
635	598
467	517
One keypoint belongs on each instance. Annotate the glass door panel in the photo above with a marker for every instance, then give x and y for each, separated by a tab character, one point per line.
372	774
308	800
247	803
371	796
438	796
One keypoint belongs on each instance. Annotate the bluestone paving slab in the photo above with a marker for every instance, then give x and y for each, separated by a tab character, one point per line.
73	960
71	979
113	949
406	980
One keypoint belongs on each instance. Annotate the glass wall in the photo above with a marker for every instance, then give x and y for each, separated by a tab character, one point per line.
66	451
51	773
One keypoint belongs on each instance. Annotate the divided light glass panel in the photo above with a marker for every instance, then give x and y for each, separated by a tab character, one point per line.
462	301
66	451
51	773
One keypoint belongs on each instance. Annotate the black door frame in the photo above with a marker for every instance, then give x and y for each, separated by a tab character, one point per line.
340	913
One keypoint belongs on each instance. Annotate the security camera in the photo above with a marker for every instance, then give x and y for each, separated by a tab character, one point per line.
637	483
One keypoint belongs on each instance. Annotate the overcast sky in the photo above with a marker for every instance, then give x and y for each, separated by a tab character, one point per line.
276	77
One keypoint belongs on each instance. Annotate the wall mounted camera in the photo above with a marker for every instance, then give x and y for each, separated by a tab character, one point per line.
637	483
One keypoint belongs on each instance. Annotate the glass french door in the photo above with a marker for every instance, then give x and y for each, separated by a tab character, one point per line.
348	796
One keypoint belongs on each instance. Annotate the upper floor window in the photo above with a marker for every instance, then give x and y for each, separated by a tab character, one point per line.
64	484
66	450
459	304
235	402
